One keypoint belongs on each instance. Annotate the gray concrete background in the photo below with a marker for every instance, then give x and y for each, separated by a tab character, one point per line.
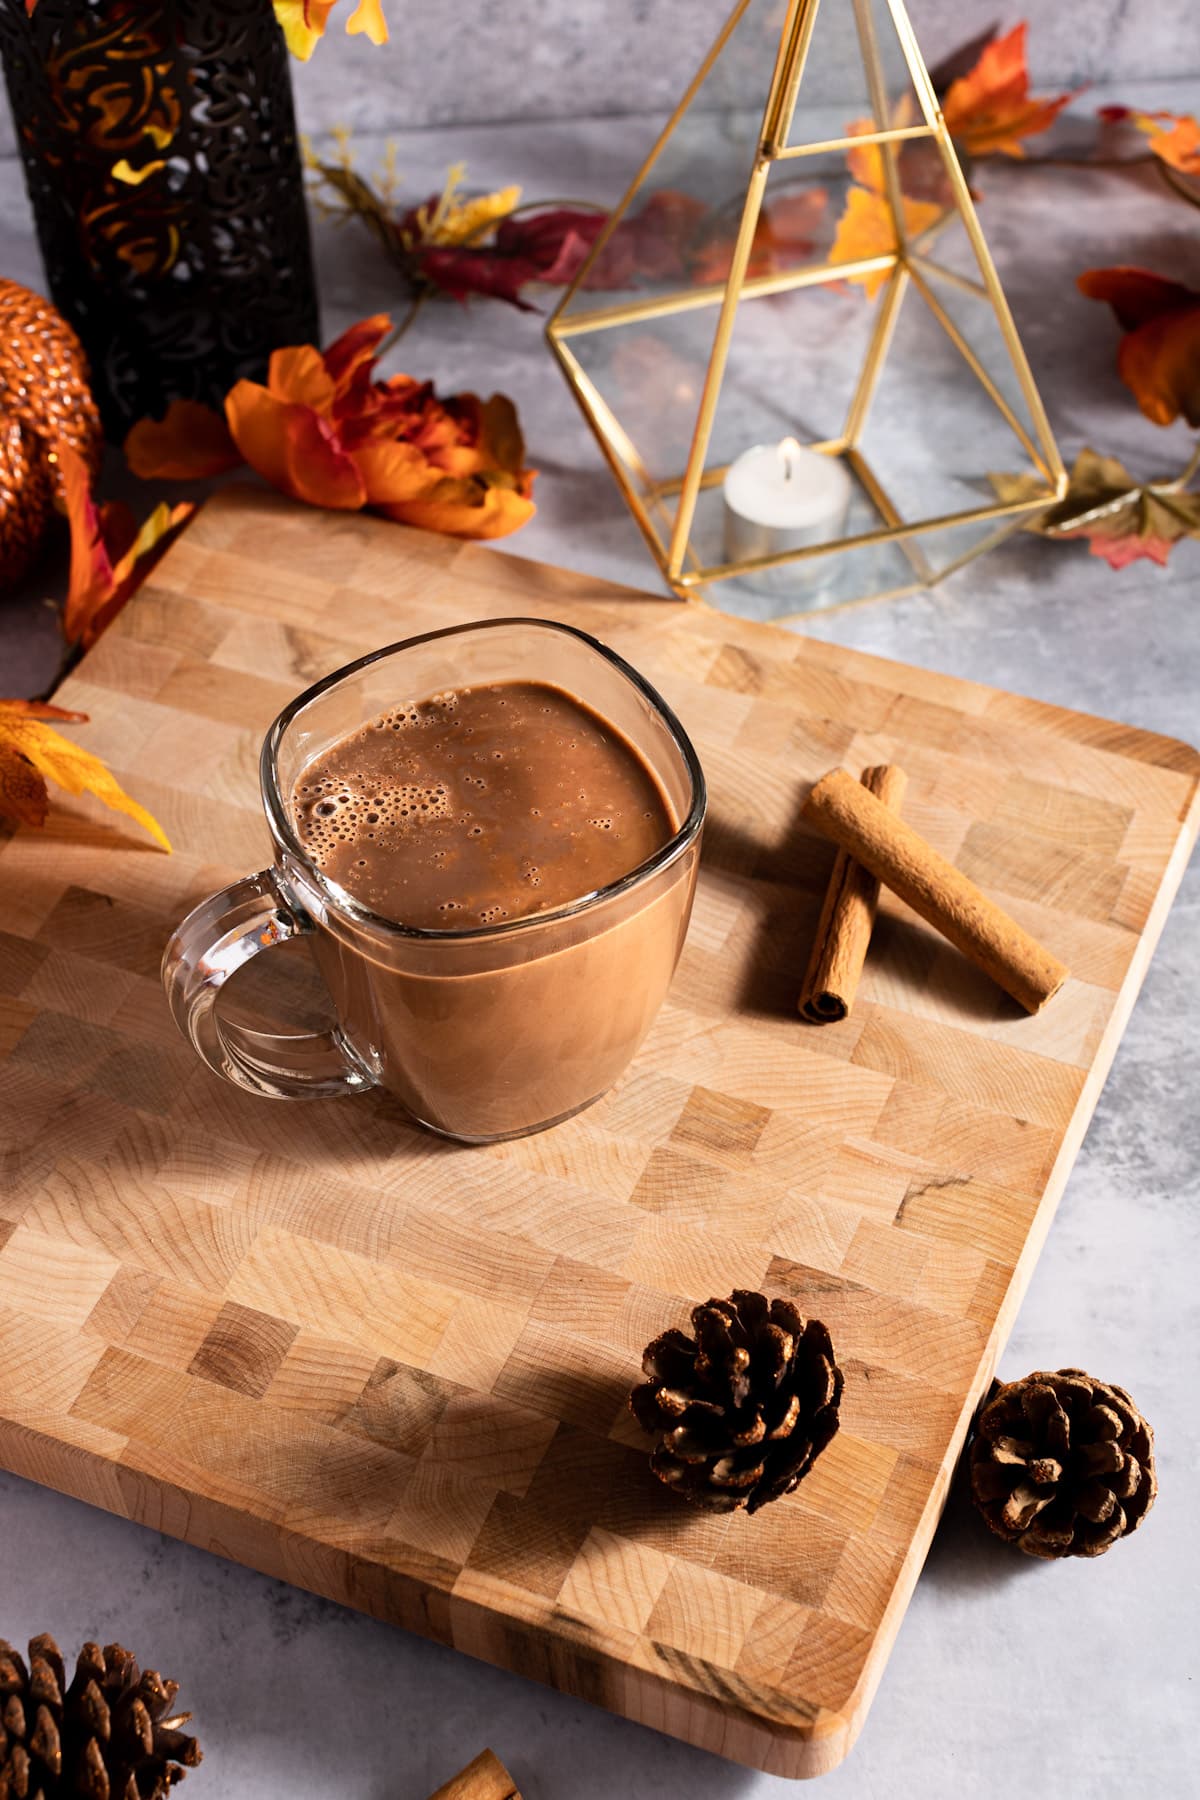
480	61
541	59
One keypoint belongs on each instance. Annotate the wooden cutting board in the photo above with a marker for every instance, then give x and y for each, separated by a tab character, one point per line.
393	1370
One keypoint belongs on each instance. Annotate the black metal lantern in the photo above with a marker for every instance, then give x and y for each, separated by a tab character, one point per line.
162	164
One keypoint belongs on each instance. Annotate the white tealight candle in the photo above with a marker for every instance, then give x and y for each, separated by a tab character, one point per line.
781	497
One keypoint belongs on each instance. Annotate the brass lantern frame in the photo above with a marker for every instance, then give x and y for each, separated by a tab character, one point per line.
911	260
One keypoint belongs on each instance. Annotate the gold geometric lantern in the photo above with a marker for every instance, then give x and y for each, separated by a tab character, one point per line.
805	275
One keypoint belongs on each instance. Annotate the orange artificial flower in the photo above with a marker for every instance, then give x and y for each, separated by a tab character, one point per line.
990	110
190	443
1159	357
866	229
325	432
110	555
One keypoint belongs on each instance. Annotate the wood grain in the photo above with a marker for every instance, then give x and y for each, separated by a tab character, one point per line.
393	1371
486	1778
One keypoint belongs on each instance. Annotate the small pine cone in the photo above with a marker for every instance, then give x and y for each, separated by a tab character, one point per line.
1062	1464
742	1411
105	1737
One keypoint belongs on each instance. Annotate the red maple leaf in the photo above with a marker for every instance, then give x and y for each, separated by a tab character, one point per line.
545	247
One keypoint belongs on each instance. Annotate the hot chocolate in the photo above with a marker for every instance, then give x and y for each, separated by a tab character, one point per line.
494	879
479	814
478	805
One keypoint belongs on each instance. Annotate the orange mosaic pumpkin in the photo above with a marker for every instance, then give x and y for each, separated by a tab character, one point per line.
45	398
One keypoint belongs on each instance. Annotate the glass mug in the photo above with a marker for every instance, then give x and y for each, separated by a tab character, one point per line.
482	1033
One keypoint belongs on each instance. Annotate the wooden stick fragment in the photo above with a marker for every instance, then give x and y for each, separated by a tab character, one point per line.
843	809
847	917
484	1779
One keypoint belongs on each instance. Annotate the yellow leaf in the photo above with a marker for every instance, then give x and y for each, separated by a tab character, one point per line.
455	221
303	24
368	17
866	229
56	758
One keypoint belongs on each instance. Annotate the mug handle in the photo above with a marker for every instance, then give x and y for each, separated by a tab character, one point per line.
218	937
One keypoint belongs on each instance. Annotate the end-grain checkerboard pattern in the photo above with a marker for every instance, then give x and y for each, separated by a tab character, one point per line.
393	1370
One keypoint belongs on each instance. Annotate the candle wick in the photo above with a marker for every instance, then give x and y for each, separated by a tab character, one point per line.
788	450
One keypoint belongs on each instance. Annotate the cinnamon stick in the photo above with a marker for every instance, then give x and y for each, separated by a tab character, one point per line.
844	810
847	917
484	1779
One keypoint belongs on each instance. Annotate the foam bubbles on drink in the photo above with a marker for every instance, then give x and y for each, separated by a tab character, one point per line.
476	806
347	810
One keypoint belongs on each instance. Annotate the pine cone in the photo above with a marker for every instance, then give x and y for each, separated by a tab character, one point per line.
1062	1464
106	1737
742	1411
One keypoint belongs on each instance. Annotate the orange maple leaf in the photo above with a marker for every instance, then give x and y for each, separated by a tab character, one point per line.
1174	137
110	556
1179	145
989	110
865	161
1159	357
866	228
32	752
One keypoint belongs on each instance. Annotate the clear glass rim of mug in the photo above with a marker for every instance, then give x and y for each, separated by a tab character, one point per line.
345	903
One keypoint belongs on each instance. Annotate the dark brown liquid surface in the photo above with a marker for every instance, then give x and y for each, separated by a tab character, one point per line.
478	805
